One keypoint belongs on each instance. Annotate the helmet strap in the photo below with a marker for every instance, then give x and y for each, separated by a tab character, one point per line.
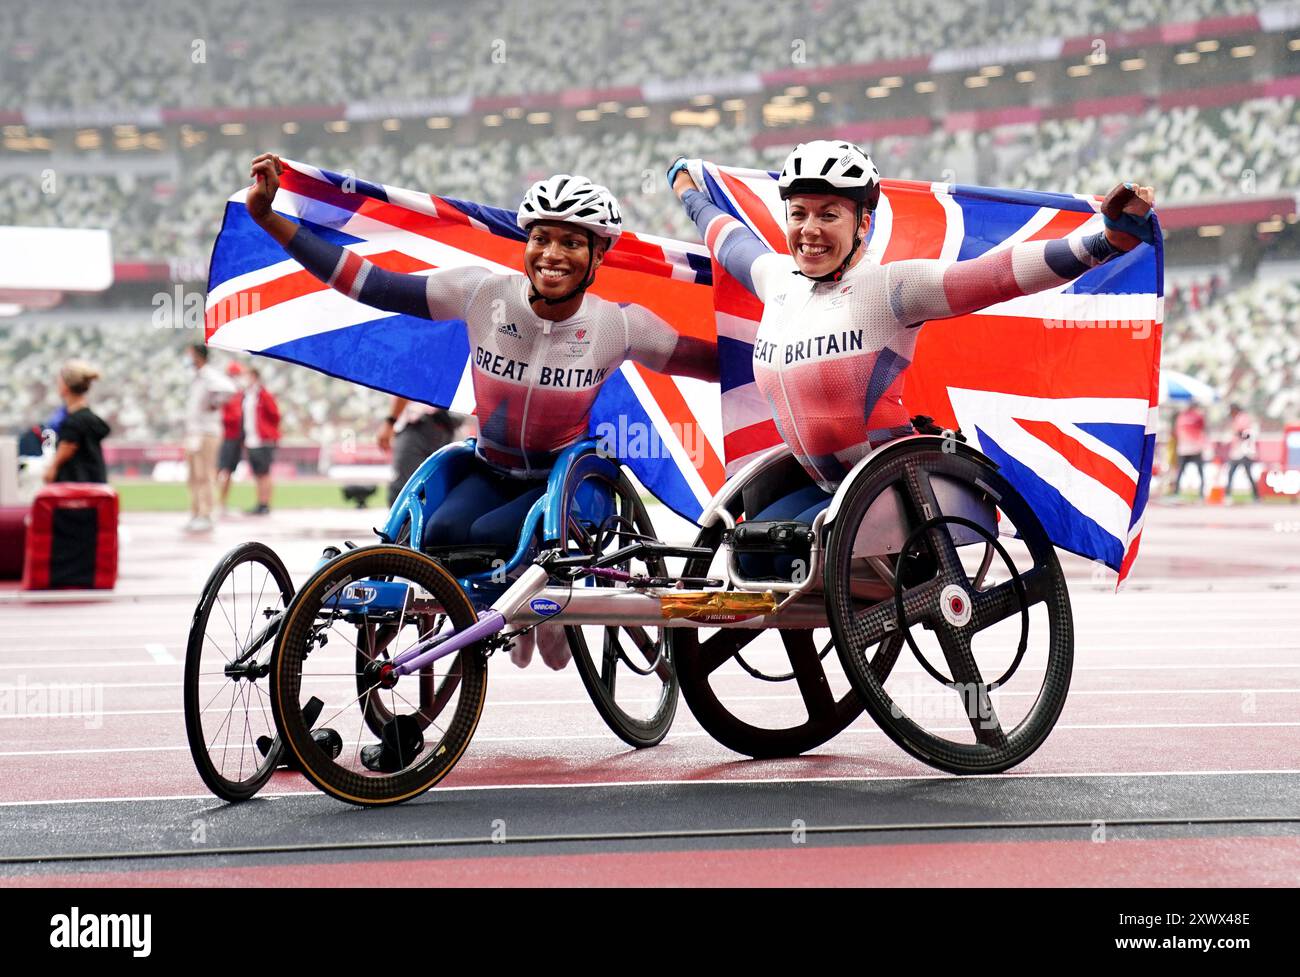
587	279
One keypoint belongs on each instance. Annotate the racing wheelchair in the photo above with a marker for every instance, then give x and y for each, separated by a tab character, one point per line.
903	558
249	602
931	578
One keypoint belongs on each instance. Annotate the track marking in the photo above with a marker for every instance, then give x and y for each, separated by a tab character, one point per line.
46	666
704	781
692	734
606	836
533	703
1224	666
160	654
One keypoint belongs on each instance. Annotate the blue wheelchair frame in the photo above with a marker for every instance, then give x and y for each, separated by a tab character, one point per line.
543	526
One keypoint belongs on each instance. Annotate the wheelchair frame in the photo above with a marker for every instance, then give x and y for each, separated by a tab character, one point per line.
540	580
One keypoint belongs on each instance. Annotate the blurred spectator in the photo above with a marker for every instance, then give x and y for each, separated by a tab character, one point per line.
261	434
1189	435
209	391
1241	449
413	431
144	374
79	456
232	437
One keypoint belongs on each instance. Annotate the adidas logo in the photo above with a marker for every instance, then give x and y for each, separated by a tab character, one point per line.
510	329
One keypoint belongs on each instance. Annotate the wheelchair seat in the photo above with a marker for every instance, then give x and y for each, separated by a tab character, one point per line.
462	561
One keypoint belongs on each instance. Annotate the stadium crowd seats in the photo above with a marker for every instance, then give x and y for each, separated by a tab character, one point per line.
235	52
1245	342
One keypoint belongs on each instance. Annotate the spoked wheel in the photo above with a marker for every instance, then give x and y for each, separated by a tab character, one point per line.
341	634
227	660
982	671
761	701
627	670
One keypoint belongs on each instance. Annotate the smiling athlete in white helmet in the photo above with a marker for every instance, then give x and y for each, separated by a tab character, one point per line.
542	346
838	331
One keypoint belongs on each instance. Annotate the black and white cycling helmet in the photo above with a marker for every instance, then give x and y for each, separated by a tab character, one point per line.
574	200
830	166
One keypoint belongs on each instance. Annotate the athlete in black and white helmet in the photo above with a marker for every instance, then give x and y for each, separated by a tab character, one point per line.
841	169
541	350
563	216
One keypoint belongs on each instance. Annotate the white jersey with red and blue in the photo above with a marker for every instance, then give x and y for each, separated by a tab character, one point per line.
830	357
535	380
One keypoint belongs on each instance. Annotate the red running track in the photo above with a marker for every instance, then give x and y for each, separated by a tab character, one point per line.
1183	672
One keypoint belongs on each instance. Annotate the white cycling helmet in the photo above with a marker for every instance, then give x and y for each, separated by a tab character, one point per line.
830	166
574	200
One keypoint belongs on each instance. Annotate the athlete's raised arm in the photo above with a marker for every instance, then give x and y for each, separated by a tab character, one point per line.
441	295
654	343
923	289
738	249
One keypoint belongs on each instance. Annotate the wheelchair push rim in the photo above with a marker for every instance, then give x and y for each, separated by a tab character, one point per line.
305	667
732	716
627	670
941	703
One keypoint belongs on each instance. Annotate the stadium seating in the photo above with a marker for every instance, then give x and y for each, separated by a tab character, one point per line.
234	52
1188	153
1245	342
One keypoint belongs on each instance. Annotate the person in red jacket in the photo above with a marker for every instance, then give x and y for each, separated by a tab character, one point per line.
232	437
261	434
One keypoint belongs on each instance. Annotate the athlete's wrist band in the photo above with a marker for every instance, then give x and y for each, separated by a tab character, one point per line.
678	165
1140	227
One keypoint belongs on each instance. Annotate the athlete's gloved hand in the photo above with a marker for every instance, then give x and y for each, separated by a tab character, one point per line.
686	174
1126	213
265	171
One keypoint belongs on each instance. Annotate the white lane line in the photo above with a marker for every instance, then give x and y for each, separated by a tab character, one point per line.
708	781
604	735
533	703
160	654
44	666
1079	651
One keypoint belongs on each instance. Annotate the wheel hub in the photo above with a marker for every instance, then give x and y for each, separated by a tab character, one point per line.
955	605
381	674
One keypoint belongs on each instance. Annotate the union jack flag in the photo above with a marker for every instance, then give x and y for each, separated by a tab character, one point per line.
262	301
1059	388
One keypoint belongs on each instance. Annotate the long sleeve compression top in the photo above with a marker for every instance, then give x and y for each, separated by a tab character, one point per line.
829	357
534	379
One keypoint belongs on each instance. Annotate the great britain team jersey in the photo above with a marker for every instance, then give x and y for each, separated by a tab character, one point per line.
830	357
534	380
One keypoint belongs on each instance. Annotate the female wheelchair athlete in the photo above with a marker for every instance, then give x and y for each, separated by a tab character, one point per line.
909	539
588	506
